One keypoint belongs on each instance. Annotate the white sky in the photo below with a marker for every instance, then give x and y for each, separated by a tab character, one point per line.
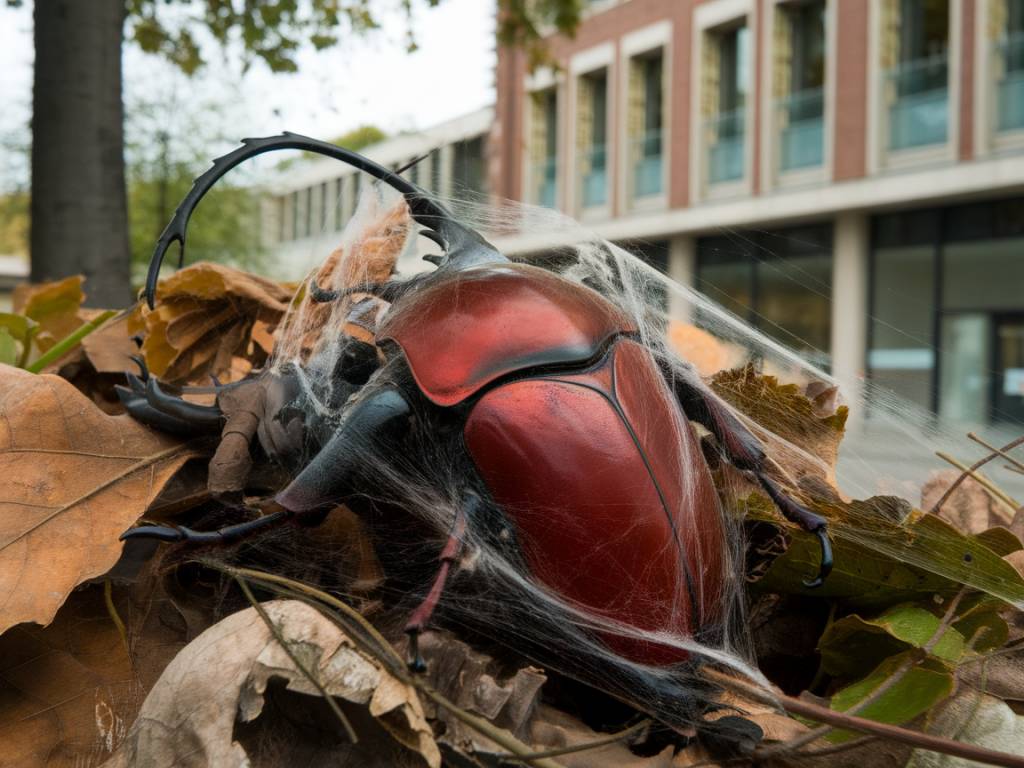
359	81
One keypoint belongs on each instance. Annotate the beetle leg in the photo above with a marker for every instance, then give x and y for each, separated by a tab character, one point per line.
226	535
373	425
419	617
201	415
745	452
147	414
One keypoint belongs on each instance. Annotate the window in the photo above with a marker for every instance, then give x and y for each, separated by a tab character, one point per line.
646	124
544	148
947	328
780	282
1006	19
799	84
725	90
592	138
915	60
437	171
468	165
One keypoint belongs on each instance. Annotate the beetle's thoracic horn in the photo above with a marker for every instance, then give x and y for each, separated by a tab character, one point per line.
425	210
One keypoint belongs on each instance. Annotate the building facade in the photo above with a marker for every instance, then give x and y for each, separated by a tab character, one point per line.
848	175
310	202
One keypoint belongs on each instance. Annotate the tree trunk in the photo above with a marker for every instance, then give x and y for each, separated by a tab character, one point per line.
79	204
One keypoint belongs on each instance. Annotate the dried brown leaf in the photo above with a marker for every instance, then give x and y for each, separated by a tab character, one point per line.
210	706
69	691
791	416
74	479
204	320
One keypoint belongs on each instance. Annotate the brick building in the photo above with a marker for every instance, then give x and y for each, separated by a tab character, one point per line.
848	175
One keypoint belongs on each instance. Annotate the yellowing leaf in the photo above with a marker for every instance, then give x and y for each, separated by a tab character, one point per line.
72	479
55	306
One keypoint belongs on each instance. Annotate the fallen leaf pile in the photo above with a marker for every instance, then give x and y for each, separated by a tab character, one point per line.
116	654
210	320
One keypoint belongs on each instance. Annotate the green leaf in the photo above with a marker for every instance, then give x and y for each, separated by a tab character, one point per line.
18	326
8	347
886	554
979	622
853	644
920	689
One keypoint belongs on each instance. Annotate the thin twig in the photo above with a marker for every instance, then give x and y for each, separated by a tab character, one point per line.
975	466
306	672
822	714
994	491
70	341
893	680
998	451
108	599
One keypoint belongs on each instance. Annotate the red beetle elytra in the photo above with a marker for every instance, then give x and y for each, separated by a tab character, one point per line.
572	444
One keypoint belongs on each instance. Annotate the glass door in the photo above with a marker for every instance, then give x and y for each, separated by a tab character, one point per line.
1008	397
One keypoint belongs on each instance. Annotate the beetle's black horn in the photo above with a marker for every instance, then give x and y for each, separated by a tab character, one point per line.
459	240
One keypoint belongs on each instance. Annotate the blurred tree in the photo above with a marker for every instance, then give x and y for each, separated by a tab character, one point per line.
363	136
79	199
167	145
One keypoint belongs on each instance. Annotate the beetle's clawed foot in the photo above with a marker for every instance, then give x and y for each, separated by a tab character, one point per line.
416	662
146	400
826	558
809	521
227	535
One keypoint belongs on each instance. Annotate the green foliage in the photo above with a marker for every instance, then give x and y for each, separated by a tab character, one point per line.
14	223
225	229
525	23
272	31
360	137
919	689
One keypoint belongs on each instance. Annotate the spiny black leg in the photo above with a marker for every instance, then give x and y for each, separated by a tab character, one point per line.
419	617
147	414
200	415
745	452
227	535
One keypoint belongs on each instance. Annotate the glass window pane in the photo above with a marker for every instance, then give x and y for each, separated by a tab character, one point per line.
964	381
795	305
903	289
985	274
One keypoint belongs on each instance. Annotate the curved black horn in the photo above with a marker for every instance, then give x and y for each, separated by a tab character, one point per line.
425	210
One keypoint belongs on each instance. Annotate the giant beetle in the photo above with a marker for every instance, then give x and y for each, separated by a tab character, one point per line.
571	435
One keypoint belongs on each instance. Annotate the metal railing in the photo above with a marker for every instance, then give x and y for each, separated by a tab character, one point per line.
647	164
801	117
1010	88
919	102
593	164
545	177
725	137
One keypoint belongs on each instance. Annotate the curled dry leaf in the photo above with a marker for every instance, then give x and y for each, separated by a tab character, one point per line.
793	416
210	706
209	319
74	479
